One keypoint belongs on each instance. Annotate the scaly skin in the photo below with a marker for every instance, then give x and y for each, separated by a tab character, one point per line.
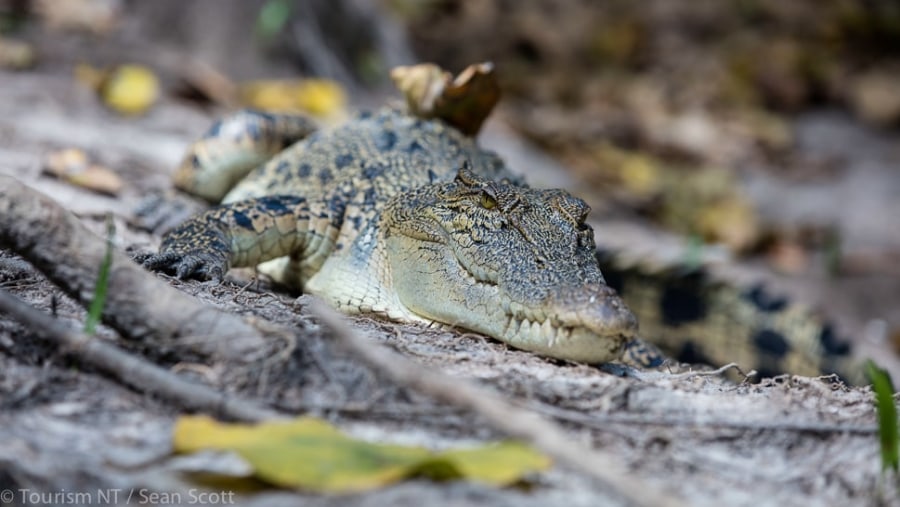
409	219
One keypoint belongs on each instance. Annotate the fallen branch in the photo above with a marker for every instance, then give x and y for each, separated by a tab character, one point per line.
132	370
139	306
520	423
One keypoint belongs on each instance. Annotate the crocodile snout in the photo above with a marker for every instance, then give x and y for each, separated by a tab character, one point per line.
596	307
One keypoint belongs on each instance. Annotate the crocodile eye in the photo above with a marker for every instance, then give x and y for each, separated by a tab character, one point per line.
488	201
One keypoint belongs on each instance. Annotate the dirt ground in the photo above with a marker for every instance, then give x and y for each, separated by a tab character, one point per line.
65	426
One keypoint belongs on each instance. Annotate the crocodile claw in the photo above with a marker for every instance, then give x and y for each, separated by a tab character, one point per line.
202	265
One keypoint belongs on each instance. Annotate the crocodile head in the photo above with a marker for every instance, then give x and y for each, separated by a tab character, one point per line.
514	263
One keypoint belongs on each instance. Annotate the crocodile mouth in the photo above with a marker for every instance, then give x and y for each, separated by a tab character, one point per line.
587	323
575	342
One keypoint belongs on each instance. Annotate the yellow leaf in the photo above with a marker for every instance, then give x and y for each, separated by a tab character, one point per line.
268	95
319	97
311	454
131	89
499	464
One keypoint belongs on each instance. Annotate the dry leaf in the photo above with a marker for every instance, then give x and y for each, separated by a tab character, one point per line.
72	165
464	102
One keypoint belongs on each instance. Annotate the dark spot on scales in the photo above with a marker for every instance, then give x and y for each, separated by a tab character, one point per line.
337	208
385	140
692	353
213	130
369	197
414	147
304	170
764	301
343	160
771	342
283	167
372	171
644	354
324	176
833	345
242	220
278	204
682	303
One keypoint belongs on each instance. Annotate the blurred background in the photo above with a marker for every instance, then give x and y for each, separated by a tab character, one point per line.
758	135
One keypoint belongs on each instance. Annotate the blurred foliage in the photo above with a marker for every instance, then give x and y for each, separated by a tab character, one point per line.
660	102
272	18
95	311
888	429
704	202
781	55
92	16
16	55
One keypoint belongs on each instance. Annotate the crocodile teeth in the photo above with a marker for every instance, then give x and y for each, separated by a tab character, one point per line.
536	330
548	331
516	327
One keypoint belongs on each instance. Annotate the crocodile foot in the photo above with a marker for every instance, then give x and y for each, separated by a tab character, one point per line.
204	265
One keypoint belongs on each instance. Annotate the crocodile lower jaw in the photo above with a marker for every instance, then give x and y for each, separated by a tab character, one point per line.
563	342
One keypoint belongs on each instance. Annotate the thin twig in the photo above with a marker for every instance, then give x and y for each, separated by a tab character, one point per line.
512	420
132	370
712	373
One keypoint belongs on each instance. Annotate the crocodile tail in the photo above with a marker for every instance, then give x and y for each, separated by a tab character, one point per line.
697	319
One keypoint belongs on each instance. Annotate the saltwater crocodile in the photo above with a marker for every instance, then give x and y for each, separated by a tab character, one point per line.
403	215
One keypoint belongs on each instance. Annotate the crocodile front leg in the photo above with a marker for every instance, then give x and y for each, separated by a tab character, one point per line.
249	232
